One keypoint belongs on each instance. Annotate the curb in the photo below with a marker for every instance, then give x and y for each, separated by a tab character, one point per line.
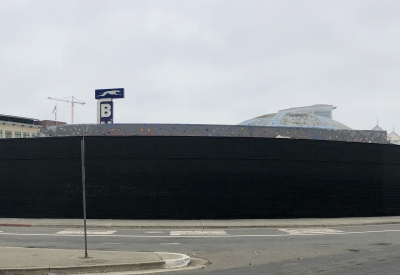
64	270
15	224
183	261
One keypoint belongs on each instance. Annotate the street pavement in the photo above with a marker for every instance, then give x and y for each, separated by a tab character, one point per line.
363	249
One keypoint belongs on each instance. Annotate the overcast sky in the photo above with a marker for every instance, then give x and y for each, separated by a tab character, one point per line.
203	61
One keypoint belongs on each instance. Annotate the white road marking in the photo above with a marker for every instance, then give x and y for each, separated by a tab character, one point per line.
89	232
198	233
153	232
311	231
169	243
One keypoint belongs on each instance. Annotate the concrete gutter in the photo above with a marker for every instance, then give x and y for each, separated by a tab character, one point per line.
199	224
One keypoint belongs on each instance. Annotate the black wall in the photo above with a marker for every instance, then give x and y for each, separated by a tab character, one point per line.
198	178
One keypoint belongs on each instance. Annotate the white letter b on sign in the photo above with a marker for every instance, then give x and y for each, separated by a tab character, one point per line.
105	110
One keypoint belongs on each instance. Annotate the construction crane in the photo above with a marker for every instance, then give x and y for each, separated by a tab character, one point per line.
73	101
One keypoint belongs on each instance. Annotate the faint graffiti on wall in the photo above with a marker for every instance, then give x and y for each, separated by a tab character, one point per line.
104	191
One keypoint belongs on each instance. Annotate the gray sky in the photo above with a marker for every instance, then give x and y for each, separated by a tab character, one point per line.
203	61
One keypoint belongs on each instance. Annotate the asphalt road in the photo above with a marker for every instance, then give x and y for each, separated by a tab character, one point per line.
335	250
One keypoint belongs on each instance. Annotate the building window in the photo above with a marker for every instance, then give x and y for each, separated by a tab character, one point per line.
34	135
1	134
17	134
26	135
8	134
326	114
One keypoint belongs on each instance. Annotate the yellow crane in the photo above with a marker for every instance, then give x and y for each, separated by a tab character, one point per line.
73	101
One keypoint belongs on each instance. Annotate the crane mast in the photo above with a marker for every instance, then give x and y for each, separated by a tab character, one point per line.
73	101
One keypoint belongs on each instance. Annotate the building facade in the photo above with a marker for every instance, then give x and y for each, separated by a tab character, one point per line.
18	127
47	123
394	138
214	131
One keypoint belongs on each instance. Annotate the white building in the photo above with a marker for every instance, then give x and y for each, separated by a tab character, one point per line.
394	138
18	127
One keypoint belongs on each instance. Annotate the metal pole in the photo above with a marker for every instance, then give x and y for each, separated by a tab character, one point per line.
84	188
56	119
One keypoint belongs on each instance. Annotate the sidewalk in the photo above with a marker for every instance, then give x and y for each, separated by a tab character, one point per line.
199	224
35	261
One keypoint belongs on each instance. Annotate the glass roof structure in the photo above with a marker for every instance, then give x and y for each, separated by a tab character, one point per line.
300	120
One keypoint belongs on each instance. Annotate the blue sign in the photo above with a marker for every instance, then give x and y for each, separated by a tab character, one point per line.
110	93
106	109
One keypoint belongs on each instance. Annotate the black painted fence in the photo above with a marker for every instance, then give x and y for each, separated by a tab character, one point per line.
198	178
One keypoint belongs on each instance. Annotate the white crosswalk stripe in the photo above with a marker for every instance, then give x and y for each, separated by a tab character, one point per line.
89	232
198	233
311	231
